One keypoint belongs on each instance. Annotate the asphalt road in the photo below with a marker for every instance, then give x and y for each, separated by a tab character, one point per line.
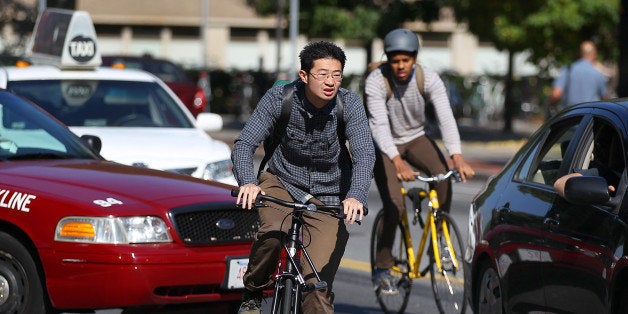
353	287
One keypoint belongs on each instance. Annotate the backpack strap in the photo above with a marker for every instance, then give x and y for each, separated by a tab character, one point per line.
340	120
271	143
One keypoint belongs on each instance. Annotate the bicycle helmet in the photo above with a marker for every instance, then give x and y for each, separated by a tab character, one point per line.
401	39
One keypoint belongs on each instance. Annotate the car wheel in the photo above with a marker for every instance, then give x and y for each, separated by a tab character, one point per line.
622	303
21	290
488	291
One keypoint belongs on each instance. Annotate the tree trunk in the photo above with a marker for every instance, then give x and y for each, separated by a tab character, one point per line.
622	87
509	103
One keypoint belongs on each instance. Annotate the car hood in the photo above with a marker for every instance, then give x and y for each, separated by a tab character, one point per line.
81	183
158	148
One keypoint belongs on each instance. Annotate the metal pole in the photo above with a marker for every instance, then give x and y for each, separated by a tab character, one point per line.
294	30
204	32
279	35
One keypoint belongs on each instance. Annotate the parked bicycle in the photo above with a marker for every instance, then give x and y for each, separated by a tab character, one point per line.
289	280
440	240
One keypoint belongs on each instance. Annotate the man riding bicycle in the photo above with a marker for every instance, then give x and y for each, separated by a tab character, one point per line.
310	164
397	117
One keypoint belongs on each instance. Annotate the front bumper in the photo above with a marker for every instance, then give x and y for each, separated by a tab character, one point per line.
82	276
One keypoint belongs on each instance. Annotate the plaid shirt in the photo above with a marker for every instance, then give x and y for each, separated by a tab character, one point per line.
310	160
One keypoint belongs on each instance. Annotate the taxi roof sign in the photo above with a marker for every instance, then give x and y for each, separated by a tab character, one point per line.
65	38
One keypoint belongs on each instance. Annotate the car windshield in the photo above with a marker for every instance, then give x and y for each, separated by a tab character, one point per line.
28	133
104	103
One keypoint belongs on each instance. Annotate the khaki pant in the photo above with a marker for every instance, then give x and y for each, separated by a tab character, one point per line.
423	154
324	237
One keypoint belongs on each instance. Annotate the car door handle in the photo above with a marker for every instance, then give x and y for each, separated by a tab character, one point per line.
551	221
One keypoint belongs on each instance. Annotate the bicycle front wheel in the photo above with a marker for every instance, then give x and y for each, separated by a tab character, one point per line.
283	298
448	282
392	303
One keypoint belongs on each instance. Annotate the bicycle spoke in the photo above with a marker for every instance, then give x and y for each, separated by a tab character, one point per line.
393	303
448	283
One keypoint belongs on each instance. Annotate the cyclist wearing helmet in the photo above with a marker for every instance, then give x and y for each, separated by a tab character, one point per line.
397	121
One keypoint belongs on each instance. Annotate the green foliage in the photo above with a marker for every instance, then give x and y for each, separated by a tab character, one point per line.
353	19
551	30
21	17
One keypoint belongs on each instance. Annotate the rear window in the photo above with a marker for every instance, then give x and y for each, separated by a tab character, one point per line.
104	103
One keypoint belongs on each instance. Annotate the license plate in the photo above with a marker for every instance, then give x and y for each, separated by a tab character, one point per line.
236	267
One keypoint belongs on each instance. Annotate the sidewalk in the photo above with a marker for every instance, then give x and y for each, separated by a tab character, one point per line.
487	149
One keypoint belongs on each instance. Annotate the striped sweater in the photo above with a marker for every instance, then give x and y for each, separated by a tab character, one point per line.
402	118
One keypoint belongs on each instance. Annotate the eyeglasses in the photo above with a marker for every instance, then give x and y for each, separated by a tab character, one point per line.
322	76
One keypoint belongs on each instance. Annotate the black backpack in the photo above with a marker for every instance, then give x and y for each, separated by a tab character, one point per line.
272	141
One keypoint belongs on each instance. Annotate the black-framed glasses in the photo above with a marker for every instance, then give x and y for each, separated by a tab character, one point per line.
322	76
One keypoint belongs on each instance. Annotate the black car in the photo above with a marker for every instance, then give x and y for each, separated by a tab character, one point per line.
533	250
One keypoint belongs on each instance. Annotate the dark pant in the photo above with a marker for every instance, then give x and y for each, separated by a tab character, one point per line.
325	239
423	154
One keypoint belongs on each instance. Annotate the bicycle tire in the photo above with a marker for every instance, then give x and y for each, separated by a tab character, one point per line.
287	299
448	285
400	273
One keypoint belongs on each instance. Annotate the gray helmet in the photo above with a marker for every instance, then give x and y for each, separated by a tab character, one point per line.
401	39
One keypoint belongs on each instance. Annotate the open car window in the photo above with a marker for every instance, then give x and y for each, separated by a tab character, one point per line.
542	166
602	153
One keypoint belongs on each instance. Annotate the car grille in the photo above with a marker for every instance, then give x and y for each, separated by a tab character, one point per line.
213	223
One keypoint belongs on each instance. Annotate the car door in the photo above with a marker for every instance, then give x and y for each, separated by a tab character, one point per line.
522	253
585	240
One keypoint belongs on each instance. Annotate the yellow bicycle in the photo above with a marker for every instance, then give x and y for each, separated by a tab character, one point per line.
444	250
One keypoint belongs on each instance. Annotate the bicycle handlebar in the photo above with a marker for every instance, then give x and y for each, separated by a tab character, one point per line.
441	177
336	211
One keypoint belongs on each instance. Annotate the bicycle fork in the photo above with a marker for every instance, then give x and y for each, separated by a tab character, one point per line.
291	271
432	221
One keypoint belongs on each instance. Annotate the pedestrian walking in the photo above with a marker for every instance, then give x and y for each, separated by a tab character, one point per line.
580	81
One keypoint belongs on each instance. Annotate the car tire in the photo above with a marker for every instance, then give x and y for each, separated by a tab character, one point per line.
488	291
21	289
622	303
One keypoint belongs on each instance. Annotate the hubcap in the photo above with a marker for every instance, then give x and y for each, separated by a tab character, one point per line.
4	290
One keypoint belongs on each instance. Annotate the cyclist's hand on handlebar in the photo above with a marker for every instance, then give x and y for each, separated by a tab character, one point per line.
247	195
353	209
466	172
404	172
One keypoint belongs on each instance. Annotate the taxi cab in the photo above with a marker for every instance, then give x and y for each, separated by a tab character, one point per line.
79	233
139	119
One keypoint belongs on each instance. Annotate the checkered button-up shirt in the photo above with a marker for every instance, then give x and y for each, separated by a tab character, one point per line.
310	160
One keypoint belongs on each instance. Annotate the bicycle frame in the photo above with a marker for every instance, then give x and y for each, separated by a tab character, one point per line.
291	272
415	259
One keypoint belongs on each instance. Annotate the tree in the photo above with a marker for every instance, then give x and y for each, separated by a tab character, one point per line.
354	19
550	30
17	20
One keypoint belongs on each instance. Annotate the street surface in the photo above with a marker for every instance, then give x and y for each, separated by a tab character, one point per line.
353	287
486	150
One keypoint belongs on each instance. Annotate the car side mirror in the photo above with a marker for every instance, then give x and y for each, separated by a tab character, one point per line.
587	190
209	122
93	142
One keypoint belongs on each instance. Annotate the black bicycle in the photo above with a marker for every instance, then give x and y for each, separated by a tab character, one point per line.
289	281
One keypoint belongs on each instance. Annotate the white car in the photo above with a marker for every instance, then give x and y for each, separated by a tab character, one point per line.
139	120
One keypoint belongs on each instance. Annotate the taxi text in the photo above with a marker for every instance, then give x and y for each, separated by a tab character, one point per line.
16	200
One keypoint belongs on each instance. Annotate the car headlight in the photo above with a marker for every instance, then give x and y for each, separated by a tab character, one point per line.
218	170
112	230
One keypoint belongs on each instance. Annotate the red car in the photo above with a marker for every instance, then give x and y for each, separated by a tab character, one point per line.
78	232
173	75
